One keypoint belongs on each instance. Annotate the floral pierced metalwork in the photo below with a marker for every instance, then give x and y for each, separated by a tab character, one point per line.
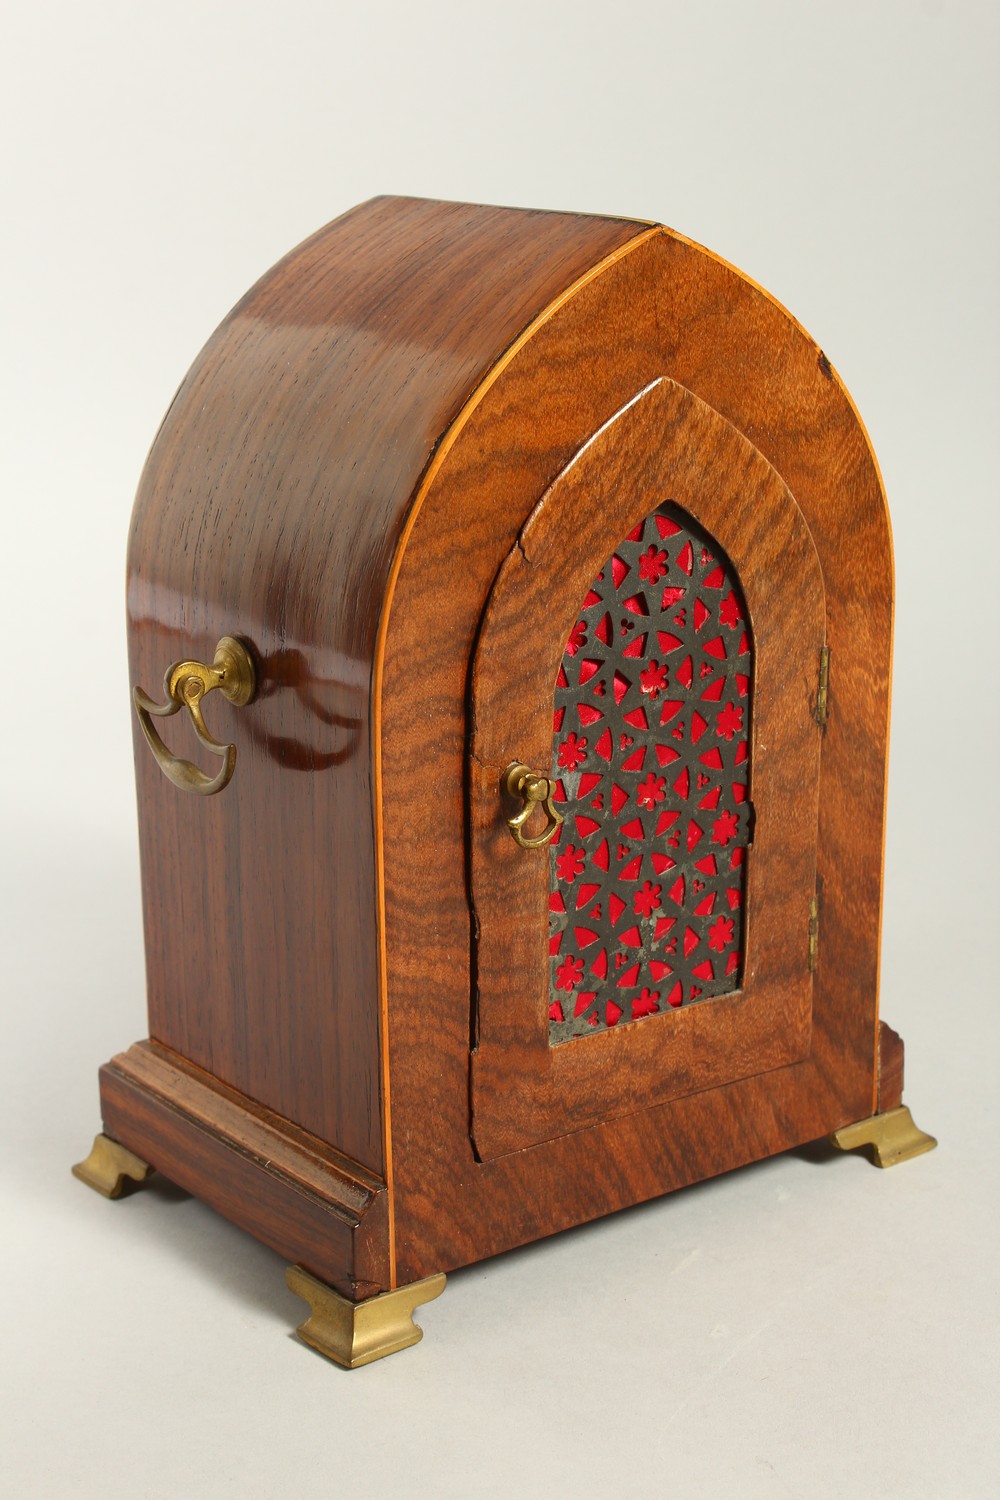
651	756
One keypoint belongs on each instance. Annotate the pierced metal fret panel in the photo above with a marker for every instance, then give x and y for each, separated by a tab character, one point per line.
651	752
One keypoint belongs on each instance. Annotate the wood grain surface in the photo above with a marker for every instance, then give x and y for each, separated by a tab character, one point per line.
890	1069
289	1190
664	308
338	482
270	508
664	444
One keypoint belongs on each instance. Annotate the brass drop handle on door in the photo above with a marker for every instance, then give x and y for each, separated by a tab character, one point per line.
185	684
521	784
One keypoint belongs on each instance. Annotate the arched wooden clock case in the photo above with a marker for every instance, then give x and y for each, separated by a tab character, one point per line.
544	567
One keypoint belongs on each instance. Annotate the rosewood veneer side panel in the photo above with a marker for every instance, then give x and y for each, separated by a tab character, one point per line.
270	508
664	308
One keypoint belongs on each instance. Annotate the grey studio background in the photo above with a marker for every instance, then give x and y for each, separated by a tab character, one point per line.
802	1327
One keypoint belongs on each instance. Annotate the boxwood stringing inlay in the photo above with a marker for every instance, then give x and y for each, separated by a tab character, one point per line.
651	756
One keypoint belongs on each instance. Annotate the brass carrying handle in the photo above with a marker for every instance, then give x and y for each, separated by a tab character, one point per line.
185	685
522	785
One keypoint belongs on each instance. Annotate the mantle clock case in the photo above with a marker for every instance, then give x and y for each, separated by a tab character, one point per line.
527	863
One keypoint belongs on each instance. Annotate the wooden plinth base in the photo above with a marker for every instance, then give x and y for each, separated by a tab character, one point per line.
329	1216
289	1190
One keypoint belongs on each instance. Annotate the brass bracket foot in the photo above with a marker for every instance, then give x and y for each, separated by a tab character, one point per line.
108	1165
355	1333
892	1136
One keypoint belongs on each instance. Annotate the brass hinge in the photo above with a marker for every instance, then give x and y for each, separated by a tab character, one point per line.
813	935
822	692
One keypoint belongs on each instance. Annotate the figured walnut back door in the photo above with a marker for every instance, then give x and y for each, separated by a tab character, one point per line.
652	645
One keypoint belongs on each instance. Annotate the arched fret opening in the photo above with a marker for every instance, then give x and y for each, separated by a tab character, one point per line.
651	755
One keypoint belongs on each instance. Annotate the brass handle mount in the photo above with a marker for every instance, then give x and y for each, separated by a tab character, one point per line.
185	684
521	785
